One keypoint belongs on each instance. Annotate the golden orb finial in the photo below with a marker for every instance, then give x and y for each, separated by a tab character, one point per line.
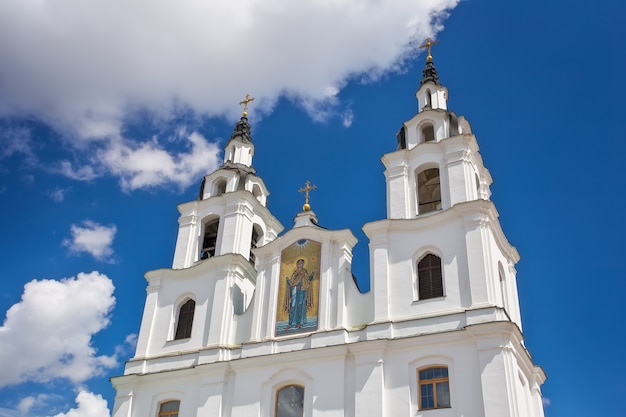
308	187
245	102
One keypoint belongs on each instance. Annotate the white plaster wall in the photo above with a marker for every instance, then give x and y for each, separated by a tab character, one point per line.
469	261
372	378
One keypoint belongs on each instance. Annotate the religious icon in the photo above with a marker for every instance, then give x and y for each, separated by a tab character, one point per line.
298	289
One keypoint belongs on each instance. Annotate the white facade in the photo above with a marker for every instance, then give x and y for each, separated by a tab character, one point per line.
369	354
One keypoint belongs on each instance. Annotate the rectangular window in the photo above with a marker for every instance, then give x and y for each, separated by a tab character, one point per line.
434	388
169	409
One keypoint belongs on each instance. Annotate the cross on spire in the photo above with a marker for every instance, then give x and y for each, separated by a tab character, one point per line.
308	187
427	45
245	102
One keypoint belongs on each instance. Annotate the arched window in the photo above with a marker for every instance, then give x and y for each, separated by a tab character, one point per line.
429	102
169	409
220	186
185	320
209	241
290	401
434	388
257	233
428	191
429	277
256	192
428	133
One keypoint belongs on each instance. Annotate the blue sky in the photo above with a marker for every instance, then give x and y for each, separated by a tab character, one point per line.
111	113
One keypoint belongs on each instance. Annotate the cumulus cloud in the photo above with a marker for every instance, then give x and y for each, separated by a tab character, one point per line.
35	404
89	405
90	65
47	335
92	238
149	164
26	404
111	56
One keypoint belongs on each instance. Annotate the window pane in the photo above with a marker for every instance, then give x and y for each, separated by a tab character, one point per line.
170	406
427	374
290	402
428	399
443	394
430	279
169	409
185	320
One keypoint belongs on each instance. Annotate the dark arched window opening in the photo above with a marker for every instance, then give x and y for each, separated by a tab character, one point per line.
429	277
428	133
169	409
290	401
209	241
220	187
428	191
185	320
434	388
429	102
254	241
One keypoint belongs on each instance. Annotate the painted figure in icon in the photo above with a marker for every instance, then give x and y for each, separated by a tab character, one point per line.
299	295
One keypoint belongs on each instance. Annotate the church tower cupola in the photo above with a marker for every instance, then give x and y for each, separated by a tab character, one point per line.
230	215
239	149
431	95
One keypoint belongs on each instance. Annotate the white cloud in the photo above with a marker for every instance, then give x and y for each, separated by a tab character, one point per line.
26	404
84	173
113	56
90	66
546	401
92	238
47	335
14	140
149	164
347	118
58	194
128	348
89	405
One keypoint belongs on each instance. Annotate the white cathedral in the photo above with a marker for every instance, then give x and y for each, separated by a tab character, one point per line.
250	322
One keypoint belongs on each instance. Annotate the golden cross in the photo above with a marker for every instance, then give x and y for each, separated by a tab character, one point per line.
245	104
428	44
308	187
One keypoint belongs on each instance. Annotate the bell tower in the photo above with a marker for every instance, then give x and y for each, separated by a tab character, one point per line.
198	303
441	260
230	214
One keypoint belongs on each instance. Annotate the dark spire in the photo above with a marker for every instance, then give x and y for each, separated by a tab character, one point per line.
242	130
429	74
